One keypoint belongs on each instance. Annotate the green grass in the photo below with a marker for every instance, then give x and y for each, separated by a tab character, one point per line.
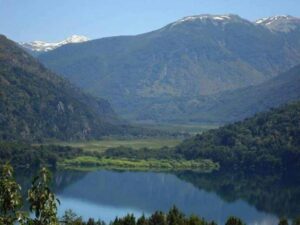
180	128
102	145
90	163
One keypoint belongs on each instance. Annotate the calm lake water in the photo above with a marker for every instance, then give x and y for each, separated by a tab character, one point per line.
107	194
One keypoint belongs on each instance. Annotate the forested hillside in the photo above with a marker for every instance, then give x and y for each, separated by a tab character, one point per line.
269	141
228	106
36	104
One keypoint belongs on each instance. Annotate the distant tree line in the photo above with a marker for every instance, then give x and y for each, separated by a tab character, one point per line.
26	155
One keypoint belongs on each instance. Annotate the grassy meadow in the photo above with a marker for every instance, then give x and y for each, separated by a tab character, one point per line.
102	145
90	163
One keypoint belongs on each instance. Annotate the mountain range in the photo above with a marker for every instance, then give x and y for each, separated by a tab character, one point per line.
42	46
196	57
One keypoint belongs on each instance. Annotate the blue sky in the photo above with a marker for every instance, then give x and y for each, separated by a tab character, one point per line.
53	20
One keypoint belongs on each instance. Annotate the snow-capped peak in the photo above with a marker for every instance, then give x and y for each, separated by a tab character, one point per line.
204	17
214	19
76	39
41	46
272	19
282	23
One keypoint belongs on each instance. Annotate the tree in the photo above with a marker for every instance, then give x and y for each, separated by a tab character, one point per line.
142	220
10	197
157	218
195	220
234	221
129	220
175	217
42	201
283	221
296	221
70	218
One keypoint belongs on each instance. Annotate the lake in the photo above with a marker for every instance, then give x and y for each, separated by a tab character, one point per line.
216	196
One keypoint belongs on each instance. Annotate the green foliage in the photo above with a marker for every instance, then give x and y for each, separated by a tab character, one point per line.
267	142
10	197
175	217
127	220
26	155
158	218
42	201
283	221
91	163
70	218
195	220
234	221
142	221
125	143
143	153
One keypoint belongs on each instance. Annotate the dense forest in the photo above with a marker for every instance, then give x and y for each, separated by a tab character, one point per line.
21	154
269	141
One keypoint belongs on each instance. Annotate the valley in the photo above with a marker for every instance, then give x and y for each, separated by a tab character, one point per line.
200	112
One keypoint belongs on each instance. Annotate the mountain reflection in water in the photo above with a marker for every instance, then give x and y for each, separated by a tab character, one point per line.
215	196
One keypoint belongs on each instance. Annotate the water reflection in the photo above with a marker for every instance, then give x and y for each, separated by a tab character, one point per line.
107	194
277	194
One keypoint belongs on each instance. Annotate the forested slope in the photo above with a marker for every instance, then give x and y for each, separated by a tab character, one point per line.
36	104
269	141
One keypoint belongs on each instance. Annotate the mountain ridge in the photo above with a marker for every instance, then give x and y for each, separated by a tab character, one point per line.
282	23
193	58
228	106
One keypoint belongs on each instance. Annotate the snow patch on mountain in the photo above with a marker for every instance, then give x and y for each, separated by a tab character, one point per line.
41	46
283	23
207	18
203	17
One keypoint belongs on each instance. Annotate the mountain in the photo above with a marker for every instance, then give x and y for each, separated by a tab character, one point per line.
41	46
239	104
228	106
36	104
267	142
282	23
193	57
